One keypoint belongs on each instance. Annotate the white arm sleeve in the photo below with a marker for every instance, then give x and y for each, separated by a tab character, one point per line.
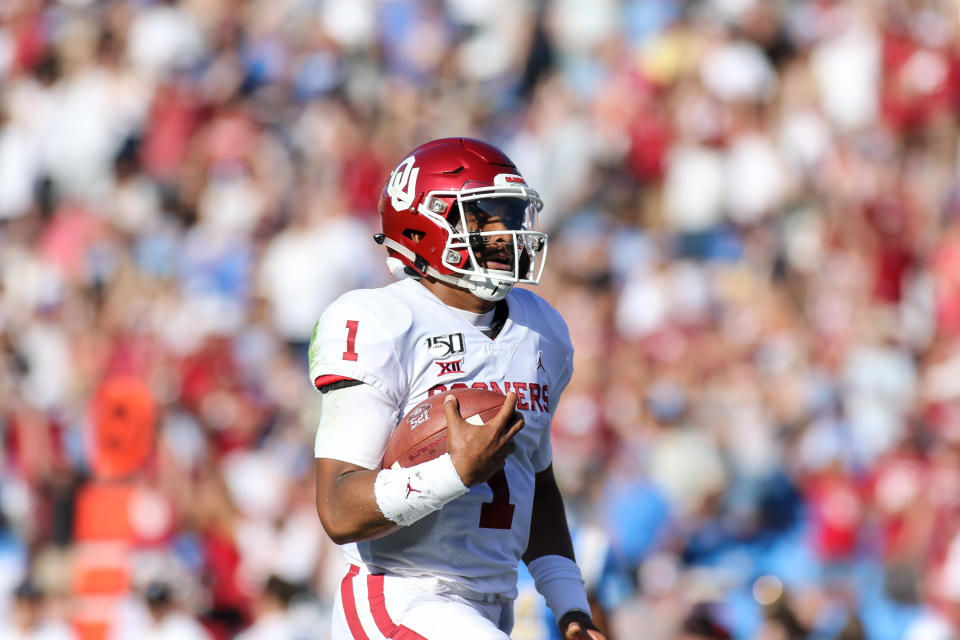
355	424
559	581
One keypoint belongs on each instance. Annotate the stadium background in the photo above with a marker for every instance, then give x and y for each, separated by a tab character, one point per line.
755	239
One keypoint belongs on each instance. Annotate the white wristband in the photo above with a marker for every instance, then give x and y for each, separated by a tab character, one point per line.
406	495
559	581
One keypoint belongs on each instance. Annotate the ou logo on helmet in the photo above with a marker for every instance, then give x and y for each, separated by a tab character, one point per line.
402	188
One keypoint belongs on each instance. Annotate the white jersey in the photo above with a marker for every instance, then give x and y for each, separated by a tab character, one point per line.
406	343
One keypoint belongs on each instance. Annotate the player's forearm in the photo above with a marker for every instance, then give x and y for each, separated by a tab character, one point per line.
346	502
356	504
549	533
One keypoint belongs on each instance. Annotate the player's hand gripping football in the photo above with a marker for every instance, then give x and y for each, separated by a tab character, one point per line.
479	451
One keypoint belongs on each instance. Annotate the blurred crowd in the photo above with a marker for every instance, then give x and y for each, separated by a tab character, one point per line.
754	214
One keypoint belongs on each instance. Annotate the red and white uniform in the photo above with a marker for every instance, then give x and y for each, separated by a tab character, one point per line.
406	344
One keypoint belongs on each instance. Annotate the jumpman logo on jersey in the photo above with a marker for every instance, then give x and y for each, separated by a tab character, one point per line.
540	362
411	489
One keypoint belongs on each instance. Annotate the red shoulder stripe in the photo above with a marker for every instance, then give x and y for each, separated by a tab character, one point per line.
323	381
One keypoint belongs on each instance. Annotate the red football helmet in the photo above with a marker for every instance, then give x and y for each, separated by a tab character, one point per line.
457	210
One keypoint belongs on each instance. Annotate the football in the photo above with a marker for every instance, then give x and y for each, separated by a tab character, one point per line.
422	434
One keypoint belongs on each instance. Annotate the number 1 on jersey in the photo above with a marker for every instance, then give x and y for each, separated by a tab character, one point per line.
498	514
350	354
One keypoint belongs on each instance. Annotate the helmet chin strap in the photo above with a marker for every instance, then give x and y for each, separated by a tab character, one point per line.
484	287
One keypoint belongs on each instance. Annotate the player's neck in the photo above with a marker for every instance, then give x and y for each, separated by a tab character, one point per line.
456	297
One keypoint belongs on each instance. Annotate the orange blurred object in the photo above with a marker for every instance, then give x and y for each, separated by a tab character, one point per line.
101	578
102	513
101	569
91	629
123	413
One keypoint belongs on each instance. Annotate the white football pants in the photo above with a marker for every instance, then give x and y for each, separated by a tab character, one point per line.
375	607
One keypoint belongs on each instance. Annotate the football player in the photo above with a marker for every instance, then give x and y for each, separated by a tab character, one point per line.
433	550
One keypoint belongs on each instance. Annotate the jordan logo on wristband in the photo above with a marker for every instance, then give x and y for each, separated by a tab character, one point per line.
411	489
